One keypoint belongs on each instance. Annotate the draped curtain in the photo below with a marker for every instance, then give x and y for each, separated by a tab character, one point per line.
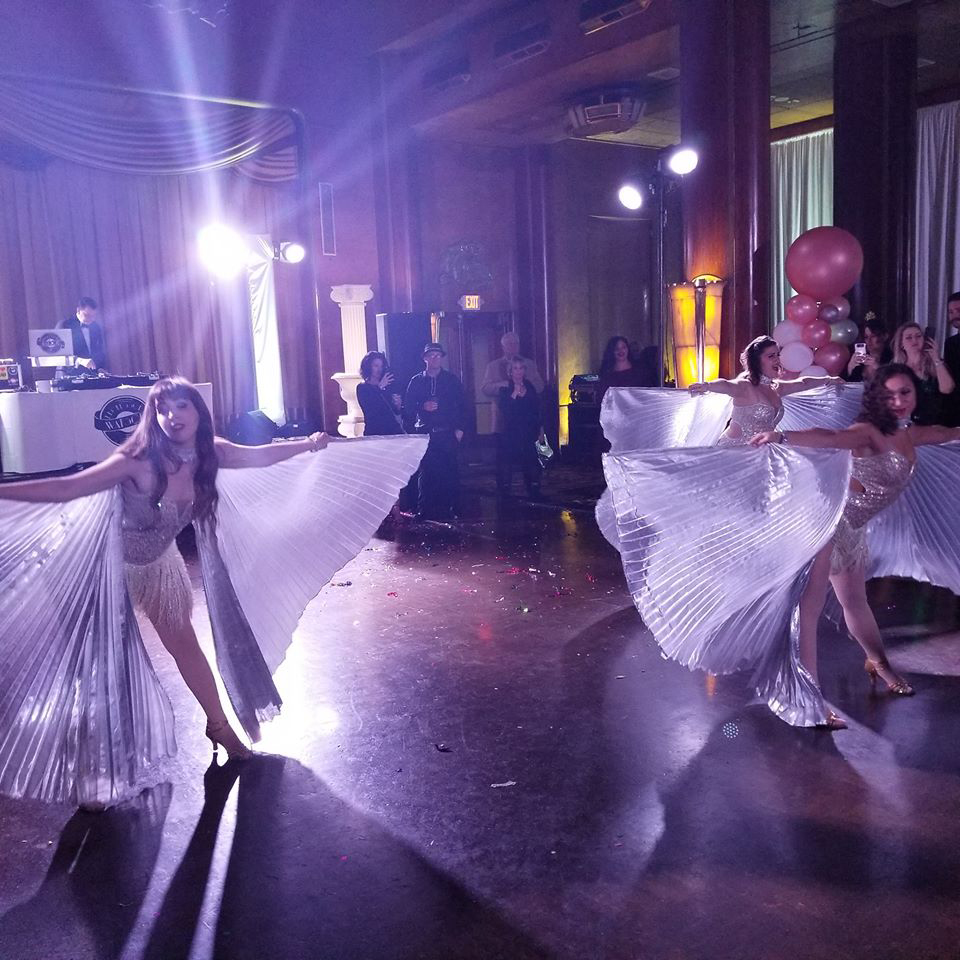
937	248
76	220
802	198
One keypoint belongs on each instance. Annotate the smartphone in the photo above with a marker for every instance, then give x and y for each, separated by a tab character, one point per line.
930	334
859	349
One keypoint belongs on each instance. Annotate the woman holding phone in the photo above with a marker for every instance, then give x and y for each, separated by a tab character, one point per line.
918	350
872	352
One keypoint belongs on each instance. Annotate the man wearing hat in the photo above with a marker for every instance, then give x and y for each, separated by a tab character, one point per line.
434	404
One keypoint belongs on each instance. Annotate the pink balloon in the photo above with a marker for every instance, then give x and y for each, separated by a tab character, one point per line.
814	371
801	309
841	303
796	356
816	334
832	357
787	332
824	262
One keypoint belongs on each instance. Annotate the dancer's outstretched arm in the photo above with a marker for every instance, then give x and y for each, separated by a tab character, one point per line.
104	475
786	387
860	436
732	388
926	436
234	455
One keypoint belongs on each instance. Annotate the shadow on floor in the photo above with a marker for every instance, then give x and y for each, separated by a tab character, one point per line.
94	888
310	876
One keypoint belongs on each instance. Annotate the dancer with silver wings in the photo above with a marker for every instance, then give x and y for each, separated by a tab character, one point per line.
722	412
727	551
83	718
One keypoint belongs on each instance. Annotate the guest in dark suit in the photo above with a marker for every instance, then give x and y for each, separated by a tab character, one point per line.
379	397
951	357
88	340
434	404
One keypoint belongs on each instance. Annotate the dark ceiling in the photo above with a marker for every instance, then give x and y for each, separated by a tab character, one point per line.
476	97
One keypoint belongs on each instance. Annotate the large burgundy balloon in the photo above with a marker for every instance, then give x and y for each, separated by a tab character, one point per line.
787	332
815	334
797	356
824	262
841	303
832	357
828	313
801	309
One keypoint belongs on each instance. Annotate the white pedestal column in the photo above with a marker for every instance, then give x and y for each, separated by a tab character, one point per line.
351	298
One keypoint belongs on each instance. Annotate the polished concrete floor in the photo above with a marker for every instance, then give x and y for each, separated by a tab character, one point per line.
482	755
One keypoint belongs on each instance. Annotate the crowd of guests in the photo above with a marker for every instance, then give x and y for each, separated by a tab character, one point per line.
938	401
433	403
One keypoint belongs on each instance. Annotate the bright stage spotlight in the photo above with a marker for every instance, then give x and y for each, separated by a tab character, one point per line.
292	252
631	196
682	161
223	251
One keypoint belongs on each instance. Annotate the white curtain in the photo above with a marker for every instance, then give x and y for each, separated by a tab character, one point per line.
936	265
801	182
266	342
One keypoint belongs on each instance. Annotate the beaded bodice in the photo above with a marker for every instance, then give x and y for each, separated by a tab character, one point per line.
150	527
883	478
747	420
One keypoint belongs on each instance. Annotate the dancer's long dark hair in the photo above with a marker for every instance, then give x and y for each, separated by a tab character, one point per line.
149	442
875	408
608	361
750	358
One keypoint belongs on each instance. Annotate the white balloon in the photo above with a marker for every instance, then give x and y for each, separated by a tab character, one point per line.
787	332
796	356
814	371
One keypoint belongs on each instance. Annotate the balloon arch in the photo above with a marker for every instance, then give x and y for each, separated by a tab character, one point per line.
822	264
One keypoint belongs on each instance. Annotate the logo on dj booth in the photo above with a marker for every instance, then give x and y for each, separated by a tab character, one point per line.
117	418
52	343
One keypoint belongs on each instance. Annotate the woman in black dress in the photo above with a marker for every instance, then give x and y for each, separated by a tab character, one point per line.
520	427
379	397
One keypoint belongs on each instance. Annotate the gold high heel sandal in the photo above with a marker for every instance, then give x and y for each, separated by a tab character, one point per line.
833	722
899	687
215	734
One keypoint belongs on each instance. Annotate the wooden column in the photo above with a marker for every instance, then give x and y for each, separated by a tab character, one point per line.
725	116
875	114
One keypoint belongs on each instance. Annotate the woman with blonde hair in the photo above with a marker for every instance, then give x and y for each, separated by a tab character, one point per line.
920	354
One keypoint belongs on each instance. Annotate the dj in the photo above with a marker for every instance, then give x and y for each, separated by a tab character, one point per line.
88	339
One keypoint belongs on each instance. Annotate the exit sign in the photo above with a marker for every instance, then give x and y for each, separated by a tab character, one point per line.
470	301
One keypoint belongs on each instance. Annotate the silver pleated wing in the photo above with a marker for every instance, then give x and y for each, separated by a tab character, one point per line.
918	535
285	530
82	715
716	546
636	418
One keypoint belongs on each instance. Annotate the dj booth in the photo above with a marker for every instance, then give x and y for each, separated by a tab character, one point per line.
85	422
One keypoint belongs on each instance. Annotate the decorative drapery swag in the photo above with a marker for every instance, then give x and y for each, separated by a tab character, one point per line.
138	132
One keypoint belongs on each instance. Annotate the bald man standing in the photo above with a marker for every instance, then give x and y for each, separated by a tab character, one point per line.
498	374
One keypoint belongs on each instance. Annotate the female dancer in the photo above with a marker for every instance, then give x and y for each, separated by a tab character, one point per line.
883	442
81	713
757	392
726	554
933	378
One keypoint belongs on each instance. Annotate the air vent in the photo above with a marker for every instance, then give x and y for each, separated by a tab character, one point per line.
597	14
521	45
610	111
452	73
664	75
